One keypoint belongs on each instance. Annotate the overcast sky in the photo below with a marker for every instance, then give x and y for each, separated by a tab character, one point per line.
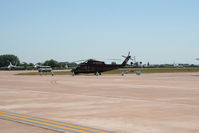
158	31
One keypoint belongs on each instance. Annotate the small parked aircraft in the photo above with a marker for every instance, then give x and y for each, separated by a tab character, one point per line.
12	67
41	68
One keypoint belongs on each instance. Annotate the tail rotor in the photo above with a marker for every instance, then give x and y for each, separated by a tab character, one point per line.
127	58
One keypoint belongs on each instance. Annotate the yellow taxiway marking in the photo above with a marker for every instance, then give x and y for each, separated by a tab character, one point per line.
46	124
51	123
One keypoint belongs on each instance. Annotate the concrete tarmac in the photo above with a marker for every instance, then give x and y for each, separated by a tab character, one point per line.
150	103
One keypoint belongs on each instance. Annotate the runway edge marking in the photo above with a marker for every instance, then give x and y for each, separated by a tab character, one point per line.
55	125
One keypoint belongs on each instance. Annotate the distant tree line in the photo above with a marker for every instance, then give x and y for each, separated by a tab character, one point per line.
7	58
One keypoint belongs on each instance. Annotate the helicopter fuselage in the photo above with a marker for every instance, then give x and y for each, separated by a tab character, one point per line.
94	68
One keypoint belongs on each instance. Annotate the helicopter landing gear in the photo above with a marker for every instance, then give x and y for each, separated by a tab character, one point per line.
98	73
124	72
73	74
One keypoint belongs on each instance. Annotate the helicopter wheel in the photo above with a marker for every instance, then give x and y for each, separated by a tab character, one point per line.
73	74
97	73
122	74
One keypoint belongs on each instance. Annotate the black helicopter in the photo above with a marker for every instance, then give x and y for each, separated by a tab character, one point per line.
97	67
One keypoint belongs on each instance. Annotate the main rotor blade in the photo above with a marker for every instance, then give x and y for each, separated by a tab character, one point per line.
78	61
112	59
